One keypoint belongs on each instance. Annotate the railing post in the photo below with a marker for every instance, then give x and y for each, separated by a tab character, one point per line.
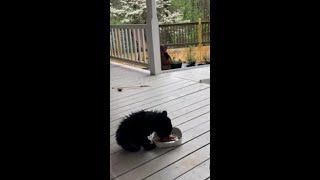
200	39
199	33
153	42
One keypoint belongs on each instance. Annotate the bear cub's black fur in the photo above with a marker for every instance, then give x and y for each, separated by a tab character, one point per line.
134	130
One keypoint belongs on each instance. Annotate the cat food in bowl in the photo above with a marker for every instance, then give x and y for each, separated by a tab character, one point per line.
174	139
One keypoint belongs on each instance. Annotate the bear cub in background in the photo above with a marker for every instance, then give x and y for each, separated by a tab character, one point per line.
134	130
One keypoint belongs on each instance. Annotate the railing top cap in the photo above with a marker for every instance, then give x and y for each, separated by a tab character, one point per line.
191	23
128	26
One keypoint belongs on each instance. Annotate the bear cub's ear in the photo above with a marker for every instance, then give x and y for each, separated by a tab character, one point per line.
164	113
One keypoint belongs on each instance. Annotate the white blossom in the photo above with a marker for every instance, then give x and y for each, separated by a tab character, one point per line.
135	12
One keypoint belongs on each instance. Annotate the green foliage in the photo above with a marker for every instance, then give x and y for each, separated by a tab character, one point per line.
193	9
206	58
169	11
135	12
190	57
115	21
174	61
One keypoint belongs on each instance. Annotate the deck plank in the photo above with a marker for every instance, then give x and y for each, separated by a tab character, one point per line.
152	101
160	162
183	122
184	165
201	172
152	83
121	112
171	106
178	110
187	102
188	133
128	92
122	156
117	121
152	93
183	115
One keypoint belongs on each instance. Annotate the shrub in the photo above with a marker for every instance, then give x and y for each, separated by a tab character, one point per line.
190	57
206	58
174	61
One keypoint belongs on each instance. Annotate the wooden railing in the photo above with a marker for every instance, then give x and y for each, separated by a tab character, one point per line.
184	34
138	43
128	43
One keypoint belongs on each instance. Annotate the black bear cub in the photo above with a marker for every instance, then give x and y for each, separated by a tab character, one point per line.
134	130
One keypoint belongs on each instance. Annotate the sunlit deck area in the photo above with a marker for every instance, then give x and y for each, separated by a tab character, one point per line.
185	95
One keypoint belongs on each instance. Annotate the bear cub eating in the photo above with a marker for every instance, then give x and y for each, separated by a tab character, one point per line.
134	130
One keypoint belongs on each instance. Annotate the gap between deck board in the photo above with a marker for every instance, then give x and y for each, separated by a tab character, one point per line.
155	103
160	106
193	127
173	109
176	122
182	90
148	156
129	80
181	119
192	74
184	126
157	92
183	165
115	148
127	93
168	158
201	172
153	85
176	111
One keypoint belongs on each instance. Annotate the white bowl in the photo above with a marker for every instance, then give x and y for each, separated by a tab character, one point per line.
175	131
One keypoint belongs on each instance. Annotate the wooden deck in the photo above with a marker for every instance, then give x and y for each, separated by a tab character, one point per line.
188	104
